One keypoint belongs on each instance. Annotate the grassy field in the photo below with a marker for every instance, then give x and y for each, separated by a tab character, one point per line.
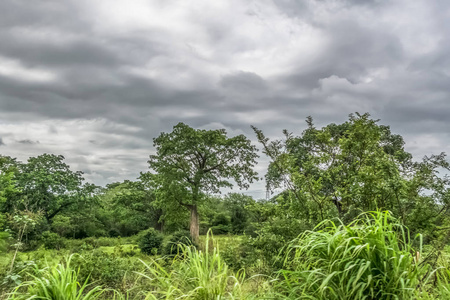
370	259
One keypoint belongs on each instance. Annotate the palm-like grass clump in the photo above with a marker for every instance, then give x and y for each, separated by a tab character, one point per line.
195	274
56	283
371	258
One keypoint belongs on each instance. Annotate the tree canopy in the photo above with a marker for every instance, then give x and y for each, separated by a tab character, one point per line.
191	162
345	169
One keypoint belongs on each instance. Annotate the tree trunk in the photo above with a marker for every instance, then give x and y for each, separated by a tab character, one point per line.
160	221
194	225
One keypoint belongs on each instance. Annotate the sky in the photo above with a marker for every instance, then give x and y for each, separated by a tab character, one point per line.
96	81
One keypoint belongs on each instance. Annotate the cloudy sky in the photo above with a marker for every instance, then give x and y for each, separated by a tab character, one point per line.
95	81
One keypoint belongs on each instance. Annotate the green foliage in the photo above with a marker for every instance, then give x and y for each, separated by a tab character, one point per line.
221	223
176	240
49	185
21	271
272	237
240	216
105	269
342	170
238	253
4	236
151	242
371	258
52	240
56	283
200	275
190	162
128	207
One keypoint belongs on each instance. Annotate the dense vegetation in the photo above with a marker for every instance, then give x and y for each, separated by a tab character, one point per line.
352	215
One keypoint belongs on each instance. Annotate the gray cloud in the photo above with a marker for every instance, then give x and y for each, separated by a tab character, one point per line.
96	81
28	142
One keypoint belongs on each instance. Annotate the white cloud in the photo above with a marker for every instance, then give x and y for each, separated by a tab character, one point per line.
15	69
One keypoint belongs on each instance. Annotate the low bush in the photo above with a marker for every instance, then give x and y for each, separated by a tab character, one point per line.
151	242
52	240
221	229
106	269
21	271
108	241
176	240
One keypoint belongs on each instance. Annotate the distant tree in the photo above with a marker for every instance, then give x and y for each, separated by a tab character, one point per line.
49	185
236	205
129	207
8	183
189	163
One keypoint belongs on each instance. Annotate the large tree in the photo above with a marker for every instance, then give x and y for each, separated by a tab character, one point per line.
359	165
191	162
49	185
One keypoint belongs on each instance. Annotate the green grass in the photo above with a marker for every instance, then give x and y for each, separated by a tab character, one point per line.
372	258
56	283
194	274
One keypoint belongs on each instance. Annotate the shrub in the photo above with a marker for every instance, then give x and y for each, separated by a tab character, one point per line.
272	237
371	258
4	236
21	271
76	246
52	240
105	269
176	240
221	229
108	242
151	242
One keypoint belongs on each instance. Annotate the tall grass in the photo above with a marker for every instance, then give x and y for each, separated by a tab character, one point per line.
371	258
195	274
56	283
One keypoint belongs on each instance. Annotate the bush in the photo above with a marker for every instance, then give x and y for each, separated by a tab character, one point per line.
52	240
371	258
105	269
151	242
221	229
221	224
176	240
238	254
271	237
108	242
21	271
77	246
4	236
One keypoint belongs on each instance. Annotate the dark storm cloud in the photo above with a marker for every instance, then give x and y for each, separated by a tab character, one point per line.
96	81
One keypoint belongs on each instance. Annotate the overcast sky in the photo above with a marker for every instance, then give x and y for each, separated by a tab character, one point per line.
95	81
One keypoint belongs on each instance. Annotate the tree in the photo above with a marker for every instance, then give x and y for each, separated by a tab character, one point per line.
129	207
190	162
8	184
48	184
345	169
237	204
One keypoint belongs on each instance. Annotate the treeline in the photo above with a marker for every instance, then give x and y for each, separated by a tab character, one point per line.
53	198
335	172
